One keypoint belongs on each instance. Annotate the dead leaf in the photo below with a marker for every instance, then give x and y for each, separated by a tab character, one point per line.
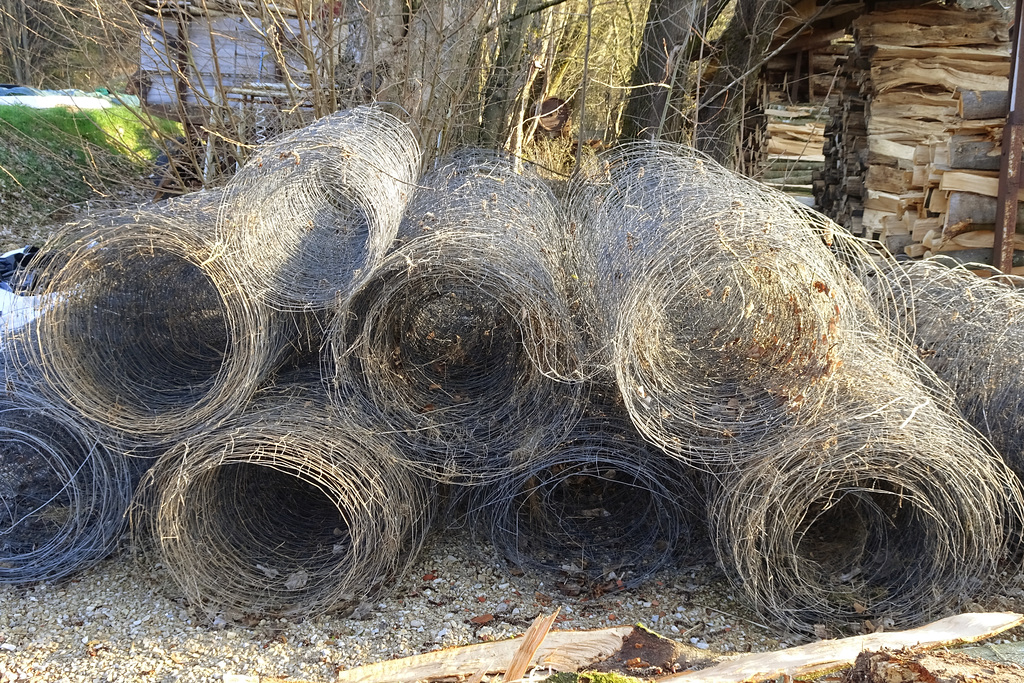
483	619
297	580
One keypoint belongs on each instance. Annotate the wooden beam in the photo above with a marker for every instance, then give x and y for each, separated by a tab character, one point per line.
1013	152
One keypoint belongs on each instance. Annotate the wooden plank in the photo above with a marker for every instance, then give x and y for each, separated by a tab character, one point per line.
999	53
979	182
829	655
561	650
900	73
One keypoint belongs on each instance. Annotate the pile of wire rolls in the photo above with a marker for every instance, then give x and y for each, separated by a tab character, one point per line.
843	484
461	340
669	361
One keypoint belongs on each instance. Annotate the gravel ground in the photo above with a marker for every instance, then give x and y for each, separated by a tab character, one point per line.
124	622
121	621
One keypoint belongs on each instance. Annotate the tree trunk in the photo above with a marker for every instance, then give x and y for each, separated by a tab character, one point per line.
506	69
741	50
666	45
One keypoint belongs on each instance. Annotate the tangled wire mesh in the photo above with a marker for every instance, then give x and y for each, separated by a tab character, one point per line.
970	331
284	509
461	340
891	511
314	209
717	303
142	329
744	342
63	493
600	509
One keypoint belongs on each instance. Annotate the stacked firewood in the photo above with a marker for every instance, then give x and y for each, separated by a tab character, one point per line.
909	153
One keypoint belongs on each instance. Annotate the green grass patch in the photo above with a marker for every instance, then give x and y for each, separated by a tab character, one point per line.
51	159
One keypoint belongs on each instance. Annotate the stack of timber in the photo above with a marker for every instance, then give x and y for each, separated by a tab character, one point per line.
808	53
892	137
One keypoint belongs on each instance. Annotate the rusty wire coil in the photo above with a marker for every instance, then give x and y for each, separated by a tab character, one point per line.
312	211
284	509
460	342
144	329
970	331
718	304
63	492
600	509
892	511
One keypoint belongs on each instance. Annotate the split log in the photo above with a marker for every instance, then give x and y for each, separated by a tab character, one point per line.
978	209
983	104
896	31
901	72
974	152
977	182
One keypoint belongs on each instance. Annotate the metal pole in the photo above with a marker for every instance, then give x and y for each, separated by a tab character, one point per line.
1013	152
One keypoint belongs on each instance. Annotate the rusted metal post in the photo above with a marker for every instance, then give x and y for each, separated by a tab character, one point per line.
1013	152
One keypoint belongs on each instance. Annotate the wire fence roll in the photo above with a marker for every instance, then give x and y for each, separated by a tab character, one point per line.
717	302
63	494
314	210
143	329
601	509
970	332
892	510
284	509
461	339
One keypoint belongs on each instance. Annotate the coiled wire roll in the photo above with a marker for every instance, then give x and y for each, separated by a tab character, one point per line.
893	509
601	508
312	211
970	331
144	329
717	304
63	492
461	340
287	508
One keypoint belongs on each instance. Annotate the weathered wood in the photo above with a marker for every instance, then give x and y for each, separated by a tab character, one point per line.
978	209
969	33
983	256
896	73
888	179
561	650
970	53
979	182
974	152
828	655
983	104
930	667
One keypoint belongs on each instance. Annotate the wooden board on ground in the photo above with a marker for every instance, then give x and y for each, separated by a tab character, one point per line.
829	655
579	650
931	667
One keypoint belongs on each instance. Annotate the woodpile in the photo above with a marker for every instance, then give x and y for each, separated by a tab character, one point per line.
801	78
793	154
913	146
